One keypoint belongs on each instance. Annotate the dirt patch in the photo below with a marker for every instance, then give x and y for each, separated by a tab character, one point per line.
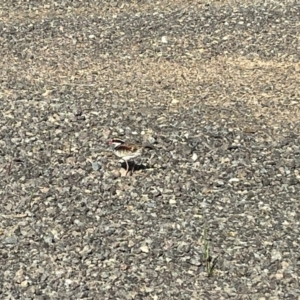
269	89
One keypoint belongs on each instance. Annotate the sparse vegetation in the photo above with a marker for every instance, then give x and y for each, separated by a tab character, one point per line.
210	262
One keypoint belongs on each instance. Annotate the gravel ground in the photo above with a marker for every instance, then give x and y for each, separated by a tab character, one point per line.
214	213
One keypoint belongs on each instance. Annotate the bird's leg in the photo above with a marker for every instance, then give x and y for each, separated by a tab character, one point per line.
149	161
127	167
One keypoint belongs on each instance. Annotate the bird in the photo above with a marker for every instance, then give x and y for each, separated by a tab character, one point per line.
127	151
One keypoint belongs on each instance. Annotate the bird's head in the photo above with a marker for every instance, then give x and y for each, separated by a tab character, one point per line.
115	142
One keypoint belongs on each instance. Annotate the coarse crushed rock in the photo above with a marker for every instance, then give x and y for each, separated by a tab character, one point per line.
213	212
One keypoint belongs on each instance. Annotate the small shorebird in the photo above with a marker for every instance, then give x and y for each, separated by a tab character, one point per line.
127	151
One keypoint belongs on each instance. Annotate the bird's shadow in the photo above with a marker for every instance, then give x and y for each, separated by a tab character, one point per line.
133	167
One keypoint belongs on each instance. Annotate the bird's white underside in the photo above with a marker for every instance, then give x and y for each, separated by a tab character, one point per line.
128	157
